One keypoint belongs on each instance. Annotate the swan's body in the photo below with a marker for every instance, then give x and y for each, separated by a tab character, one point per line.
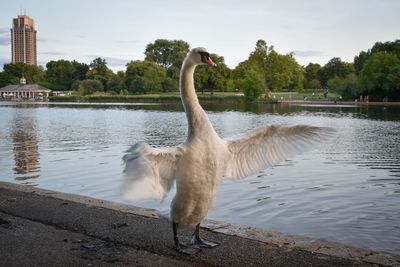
199	163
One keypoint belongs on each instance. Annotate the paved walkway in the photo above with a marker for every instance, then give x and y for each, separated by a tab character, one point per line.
45	228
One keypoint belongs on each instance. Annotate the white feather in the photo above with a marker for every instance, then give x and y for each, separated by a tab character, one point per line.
268	146
149	172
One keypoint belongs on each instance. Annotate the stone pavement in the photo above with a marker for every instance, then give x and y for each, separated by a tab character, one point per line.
46	228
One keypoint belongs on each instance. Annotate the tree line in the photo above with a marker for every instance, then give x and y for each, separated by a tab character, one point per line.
375	73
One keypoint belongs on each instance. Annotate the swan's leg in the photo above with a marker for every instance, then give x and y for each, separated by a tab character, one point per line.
181	247
202	243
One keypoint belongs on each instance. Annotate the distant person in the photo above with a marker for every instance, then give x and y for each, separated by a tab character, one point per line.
325	93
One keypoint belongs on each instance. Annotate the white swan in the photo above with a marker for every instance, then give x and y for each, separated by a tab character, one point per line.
199	163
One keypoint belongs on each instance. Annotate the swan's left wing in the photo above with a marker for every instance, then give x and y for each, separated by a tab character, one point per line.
149	172
268	146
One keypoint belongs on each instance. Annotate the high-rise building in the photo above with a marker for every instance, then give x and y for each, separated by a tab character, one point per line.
23	40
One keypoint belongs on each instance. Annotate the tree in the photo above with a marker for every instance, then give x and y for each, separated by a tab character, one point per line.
145	77
389	47
59	74
311	76
114	84
12	73
33	74
212	78
257	59
257	62
359	61
87	87
7	77
252	85
167	53
335	68
14	70
98	70
80	70
283	72
380	76
346	87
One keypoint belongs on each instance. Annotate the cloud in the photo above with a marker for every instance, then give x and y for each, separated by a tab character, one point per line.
111	61
308	53
52	53
5	40
45	40
4	30
42	63
3	61
5	36
129	41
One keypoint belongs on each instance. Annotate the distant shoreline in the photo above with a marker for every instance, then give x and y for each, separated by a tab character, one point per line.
142	98
207	97
337	103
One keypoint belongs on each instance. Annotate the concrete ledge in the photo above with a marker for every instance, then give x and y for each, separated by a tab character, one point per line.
141	229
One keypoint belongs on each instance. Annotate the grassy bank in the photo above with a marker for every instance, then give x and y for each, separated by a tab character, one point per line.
153	98
175	96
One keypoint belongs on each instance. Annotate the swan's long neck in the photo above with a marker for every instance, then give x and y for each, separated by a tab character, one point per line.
198	121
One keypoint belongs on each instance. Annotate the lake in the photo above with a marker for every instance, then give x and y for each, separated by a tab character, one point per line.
346	189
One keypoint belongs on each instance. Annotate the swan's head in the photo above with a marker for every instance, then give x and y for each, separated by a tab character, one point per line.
200	55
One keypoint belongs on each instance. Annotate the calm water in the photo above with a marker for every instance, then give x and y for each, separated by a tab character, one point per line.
346	190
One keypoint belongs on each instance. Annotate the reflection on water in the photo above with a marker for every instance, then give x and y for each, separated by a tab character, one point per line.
346	190
25	146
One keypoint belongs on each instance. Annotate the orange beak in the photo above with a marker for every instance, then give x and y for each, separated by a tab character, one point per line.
208	61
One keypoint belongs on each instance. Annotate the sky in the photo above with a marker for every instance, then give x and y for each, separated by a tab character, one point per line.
119	30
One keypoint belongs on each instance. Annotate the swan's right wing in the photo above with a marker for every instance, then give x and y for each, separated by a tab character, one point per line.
149	172
268	146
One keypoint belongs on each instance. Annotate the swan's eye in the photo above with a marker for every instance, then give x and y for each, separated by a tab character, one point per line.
204	54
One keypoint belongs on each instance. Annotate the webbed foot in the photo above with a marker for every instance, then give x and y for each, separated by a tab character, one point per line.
183	248
190	250
206	243
197	240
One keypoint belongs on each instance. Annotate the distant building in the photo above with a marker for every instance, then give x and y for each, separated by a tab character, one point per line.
24	91
23	40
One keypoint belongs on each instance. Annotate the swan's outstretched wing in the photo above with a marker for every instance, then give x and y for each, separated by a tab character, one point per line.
268	146
149	172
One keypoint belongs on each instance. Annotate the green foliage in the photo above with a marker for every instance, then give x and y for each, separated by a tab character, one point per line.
311	76
99	71
283	72
380	76
212	78
346	87
389	47
314	84
277	71
14	70
12	73
87	87
335	68
33	74
145	77
59	74
252	85
80	70
230	85
256	62
114	84
167	53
